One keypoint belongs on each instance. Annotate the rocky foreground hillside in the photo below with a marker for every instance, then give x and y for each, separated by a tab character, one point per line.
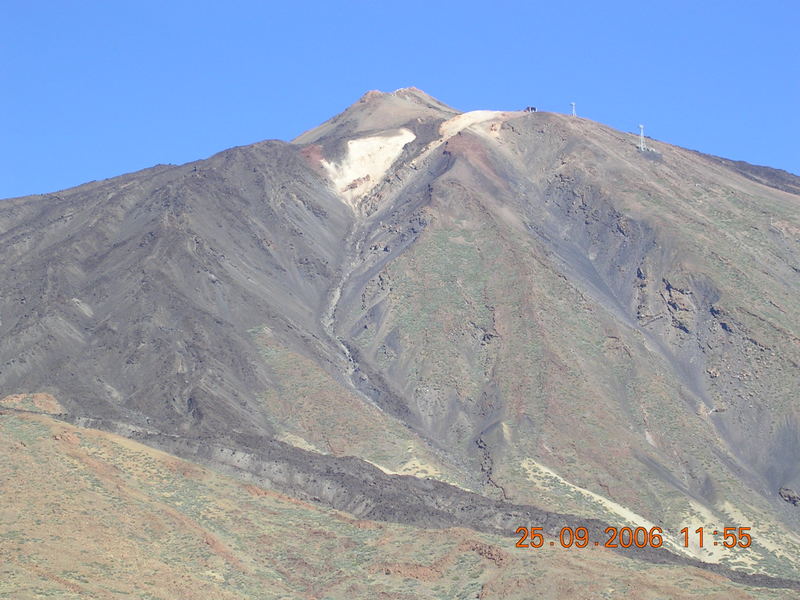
437	319
98	516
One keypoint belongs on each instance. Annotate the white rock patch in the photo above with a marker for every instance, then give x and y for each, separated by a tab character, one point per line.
460	122
366	162
83	307
369	158
547	479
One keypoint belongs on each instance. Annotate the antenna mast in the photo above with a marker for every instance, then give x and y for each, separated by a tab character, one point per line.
642	147
573	109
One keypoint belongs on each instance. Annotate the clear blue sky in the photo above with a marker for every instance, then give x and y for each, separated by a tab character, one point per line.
95	89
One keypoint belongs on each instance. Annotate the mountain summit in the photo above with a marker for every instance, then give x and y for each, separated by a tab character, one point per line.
485	319
379	111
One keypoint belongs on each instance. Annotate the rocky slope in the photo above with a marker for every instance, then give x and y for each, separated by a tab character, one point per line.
98	516
521	310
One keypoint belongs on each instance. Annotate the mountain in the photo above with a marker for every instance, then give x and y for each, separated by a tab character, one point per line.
482	320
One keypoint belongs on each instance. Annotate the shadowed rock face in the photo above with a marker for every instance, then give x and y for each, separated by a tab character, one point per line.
518	304
789	495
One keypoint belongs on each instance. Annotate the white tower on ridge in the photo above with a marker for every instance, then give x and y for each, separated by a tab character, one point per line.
642	147
573	109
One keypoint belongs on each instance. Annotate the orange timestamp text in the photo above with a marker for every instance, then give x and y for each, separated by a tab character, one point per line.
635	537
